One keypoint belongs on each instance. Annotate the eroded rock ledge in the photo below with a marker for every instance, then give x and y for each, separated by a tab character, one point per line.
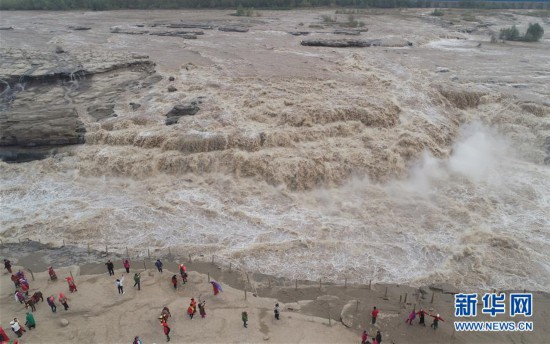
41	91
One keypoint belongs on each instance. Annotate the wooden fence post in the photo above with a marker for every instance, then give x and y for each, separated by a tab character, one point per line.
106	249
320	285
71	275
269	282
433	293
88	248
32	275
209	277
245	293
405	299
144	266
357	306
386	293
148	253
370	281
230	267
345	282
212	259
189	257
169	252
329	318
296	285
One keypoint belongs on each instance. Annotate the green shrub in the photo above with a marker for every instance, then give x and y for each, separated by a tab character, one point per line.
437	12
534	33
509	34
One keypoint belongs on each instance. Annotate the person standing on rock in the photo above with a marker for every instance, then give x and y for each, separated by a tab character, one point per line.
63	300
191	311
16	327
216	287
120	285
166	330
7	265
183	273
435	324
378	337
51	303
126	265
175	281
19	296
30	322
244	316
277	311
137	280
421	313
165	314
411	317
374	315
159	265
194	305
15	281
202	309
364	337
110	267
25	289
72	285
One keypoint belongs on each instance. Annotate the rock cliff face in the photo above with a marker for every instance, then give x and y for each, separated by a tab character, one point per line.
47	99
27	135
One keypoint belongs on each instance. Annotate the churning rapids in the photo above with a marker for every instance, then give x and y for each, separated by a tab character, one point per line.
409	164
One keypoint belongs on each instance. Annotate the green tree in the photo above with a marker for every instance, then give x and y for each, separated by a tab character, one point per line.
534	33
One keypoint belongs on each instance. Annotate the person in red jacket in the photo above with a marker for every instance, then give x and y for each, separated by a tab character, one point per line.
25	289
166	330
72	285
435	324
364	337
126	265
374	315
175	281
421	313
15	281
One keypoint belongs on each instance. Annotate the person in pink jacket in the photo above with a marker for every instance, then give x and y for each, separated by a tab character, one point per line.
126	265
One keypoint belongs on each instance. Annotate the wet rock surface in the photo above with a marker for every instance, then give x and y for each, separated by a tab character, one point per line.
48	99
347	32
180	110
233	29
342	43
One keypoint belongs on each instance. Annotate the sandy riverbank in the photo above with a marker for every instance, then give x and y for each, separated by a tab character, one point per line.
99	315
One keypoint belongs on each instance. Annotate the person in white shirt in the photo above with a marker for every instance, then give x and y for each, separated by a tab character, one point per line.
16	327
120	286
